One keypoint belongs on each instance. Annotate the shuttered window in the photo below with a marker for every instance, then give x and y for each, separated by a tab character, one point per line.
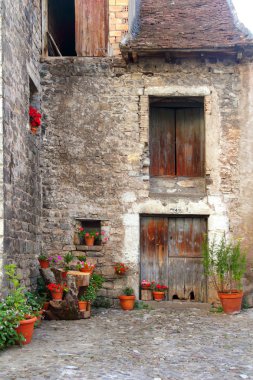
176	141
91	25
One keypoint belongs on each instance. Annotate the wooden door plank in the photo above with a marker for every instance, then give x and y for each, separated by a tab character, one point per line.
91	27
154	248
162	141
186	279
190	142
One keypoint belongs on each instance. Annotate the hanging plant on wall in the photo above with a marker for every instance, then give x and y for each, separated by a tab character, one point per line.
35	119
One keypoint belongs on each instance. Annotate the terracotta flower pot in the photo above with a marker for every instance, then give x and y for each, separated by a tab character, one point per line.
86	270
64	274
46	305
82	305
57	296
127	302
158	296
89	240
231	302
44	264
26	328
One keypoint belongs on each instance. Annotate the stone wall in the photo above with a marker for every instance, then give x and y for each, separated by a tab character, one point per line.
1	149
95	152
22	197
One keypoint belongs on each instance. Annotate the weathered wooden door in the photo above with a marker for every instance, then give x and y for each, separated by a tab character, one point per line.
171	255
186	274
154	249
91	27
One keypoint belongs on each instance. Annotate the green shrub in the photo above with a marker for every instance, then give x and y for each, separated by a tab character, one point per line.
128	291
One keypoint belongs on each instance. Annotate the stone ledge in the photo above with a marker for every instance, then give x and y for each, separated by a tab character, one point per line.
96	248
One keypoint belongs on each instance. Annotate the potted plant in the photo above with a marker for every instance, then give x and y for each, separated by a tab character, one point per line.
159	291
87	267
96	283
120	268
57	291
35	119
68	257
43	260
18	316
145	284
225	264
82	303
127	299
89	236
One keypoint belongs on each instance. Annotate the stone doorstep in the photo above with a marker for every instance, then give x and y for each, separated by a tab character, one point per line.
178	305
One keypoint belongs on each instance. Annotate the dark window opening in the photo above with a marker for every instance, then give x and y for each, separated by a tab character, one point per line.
61	28
175	297
91	226
176	137
76	28
34	96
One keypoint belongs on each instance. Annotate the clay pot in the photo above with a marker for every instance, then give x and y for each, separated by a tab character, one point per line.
85	270
44	264
82	305
57	296
64	274
89	240
158	296
46	305
231	302
26	328
127	302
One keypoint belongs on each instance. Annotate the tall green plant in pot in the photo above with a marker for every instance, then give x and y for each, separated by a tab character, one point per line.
225	264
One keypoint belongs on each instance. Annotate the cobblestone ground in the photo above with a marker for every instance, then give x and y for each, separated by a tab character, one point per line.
155	344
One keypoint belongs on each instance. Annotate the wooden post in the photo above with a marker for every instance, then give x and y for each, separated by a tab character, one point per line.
44	27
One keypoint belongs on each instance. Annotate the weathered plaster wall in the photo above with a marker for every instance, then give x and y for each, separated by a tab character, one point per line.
22	199
95	151
1	148
245	227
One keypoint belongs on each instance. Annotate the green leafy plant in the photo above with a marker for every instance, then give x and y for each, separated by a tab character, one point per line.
68	257
42	256
96	283
128	291
13	309
224	263
82	258
102	302
34	300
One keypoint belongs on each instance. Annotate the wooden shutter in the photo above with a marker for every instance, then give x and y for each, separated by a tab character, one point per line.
91	23
190	142
154	249
162	141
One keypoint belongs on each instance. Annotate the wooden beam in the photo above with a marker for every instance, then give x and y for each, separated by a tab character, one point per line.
44	27
54	44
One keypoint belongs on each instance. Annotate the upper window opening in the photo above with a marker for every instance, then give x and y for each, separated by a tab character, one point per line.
176	137
76	28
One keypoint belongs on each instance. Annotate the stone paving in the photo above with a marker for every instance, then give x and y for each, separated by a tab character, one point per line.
143	344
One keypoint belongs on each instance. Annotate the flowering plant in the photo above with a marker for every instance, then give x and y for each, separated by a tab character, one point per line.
57	287
35	119
84	233
145	284
160	288
120	268
55	260
88	266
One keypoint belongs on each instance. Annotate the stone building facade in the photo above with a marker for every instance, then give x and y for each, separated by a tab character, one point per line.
95	157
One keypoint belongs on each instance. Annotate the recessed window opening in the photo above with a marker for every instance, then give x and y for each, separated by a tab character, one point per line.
61	28
177	137
92	226
34	96
75	27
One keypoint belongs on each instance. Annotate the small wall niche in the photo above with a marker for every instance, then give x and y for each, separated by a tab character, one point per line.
92	225
34	96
